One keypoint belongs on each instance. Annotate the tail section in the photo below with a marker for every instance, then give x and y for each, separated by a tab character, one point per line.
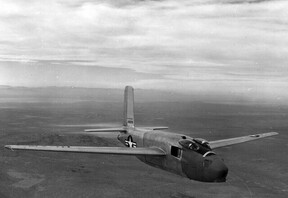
128	107
128	116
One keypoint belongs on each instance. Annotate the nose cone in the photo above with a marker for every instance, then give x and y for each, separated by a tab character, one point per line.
214	169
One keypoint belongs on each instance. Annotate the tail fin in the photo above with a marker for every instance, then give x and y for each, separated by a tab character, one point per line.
128	107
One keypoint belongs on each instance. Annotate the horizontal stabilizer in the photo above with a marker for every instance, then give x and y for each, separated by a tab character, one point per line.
238	140
154	128
120	129
99	150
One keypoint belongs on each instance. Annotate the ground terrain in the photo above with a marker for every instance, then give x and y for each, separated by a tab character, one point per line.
43	116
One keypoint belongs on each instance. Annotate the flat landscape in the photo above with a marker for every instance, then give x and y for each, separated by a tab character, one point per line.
50	116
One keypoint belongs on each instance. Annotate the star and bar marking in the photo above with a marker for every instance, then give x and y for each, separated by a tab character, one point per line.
129	142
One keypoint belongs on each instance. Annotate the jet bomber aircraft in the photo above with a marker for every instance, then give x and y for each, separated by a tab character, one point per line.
177	153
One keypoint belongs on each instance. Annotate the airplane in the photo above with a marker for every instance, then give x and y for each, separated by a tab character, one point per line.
190	157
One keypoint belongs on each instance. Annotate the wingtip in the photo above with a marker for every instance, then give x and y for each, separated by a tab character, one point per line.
271	133
8	147
274	133
264	134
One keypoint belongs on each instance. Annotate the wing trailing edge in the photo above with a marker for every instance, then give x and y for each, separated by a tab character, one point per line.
97	150
238	140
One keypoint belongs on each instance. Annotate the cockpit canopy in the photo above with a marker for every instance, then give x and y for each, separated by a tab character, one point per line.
198	145
201	141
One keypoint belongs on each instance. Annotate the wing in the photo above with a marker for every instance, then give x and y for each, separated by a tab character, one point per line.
238	140
120	129
100	150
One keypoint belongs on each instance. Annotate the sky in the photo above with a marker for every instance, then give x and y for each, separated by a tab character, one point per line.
214	46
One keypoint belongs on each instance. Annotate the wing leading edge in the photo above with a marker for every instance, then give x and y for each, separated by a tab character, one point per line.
238	140
100	150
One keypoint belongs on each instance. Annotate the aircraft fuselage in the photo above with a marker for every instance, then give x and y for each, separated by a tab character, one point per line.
198	163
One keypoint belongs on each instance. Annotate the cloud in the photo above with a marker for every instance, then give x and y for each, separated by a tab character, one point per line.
169	42
47	73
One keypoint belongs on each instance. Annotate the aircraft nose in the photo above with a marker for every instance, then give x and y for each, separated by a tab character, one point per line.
216	170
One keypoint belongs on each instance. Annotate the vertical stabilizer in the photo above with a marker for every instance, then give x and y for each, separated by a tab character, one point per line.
129	106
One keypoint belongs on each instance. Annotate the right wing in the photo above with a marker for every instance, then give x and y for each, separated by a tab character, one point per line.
238	140
100	150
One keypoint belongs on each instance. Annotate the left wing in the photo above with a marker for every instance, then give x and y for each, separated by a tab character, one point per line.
99	150
238	140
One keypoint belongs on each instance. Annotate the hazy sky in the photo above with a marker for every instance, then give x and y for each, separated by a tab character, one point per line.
229	46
